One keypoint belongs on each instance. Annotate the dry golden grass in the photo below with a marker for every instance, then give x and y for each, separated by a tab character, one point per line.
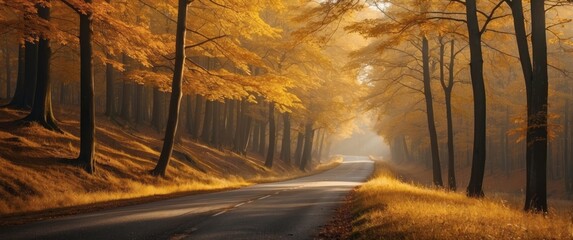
36	174
387	208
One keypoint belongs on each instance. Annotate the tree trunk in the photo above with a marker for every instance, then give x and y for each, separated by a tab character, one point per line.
109	90
215	133
157	112
197	119
139	103
476	71
285	147
321	146
436	168
566	153
239	130
448	95
17	100
307	150
207	122
87	112
298	150
256	137
230	127
189	115
31	73
536	159
262	137
246	135
42	105
272	136
8	68
176	91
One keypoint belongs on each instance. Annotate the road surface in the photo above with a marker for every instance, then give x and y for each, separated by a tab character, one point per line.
293	209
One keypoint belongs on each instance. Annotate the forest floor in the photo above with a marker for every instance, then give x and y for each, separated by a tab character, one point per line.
37	179
391	205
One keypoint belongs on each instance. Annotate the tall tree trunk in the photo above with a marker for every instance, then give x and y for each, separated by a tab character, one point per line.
189	115
246	135
230	127
197	119
126	96
87	112
285	147
239	130
448	87
31	73
436	168
17	100
215	133
207	122
63	93
536	159
8	68
42	106
321	146
272	136
157	111
256	137
262	137
109	90
298	150
566	153
139	103
176	91
307	150
476	71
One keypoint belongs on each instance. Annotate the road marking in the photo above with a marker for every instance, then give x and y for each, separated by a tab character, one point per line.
261	198
219	213
240	204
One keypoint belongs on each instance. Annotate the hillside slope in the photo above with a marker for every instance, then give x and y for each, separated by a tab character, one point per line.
37	172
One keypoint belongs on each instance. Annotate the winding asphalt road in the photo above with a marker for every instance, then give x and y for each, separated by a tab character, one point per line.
293	209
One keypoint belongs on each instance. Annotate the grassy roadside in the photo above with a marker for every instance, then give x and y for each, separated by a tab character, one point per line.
386	208
37	180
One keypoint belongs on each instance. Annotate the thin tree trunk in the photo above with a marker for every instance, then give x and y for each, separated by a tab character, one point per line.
307	150
31	73
197	119
189	111
176	91
476	71
272	136
449	118
298	150
262	137
139	103
157	111
207	122
239	129
109	90
436	168
87	112
285	147
230	127
216	122
8	68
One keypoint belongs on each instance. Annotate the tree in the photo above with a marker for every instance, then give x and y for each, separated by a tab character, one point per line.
42	106
436	168
87	111
176	92
536	155
476	69
272	136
